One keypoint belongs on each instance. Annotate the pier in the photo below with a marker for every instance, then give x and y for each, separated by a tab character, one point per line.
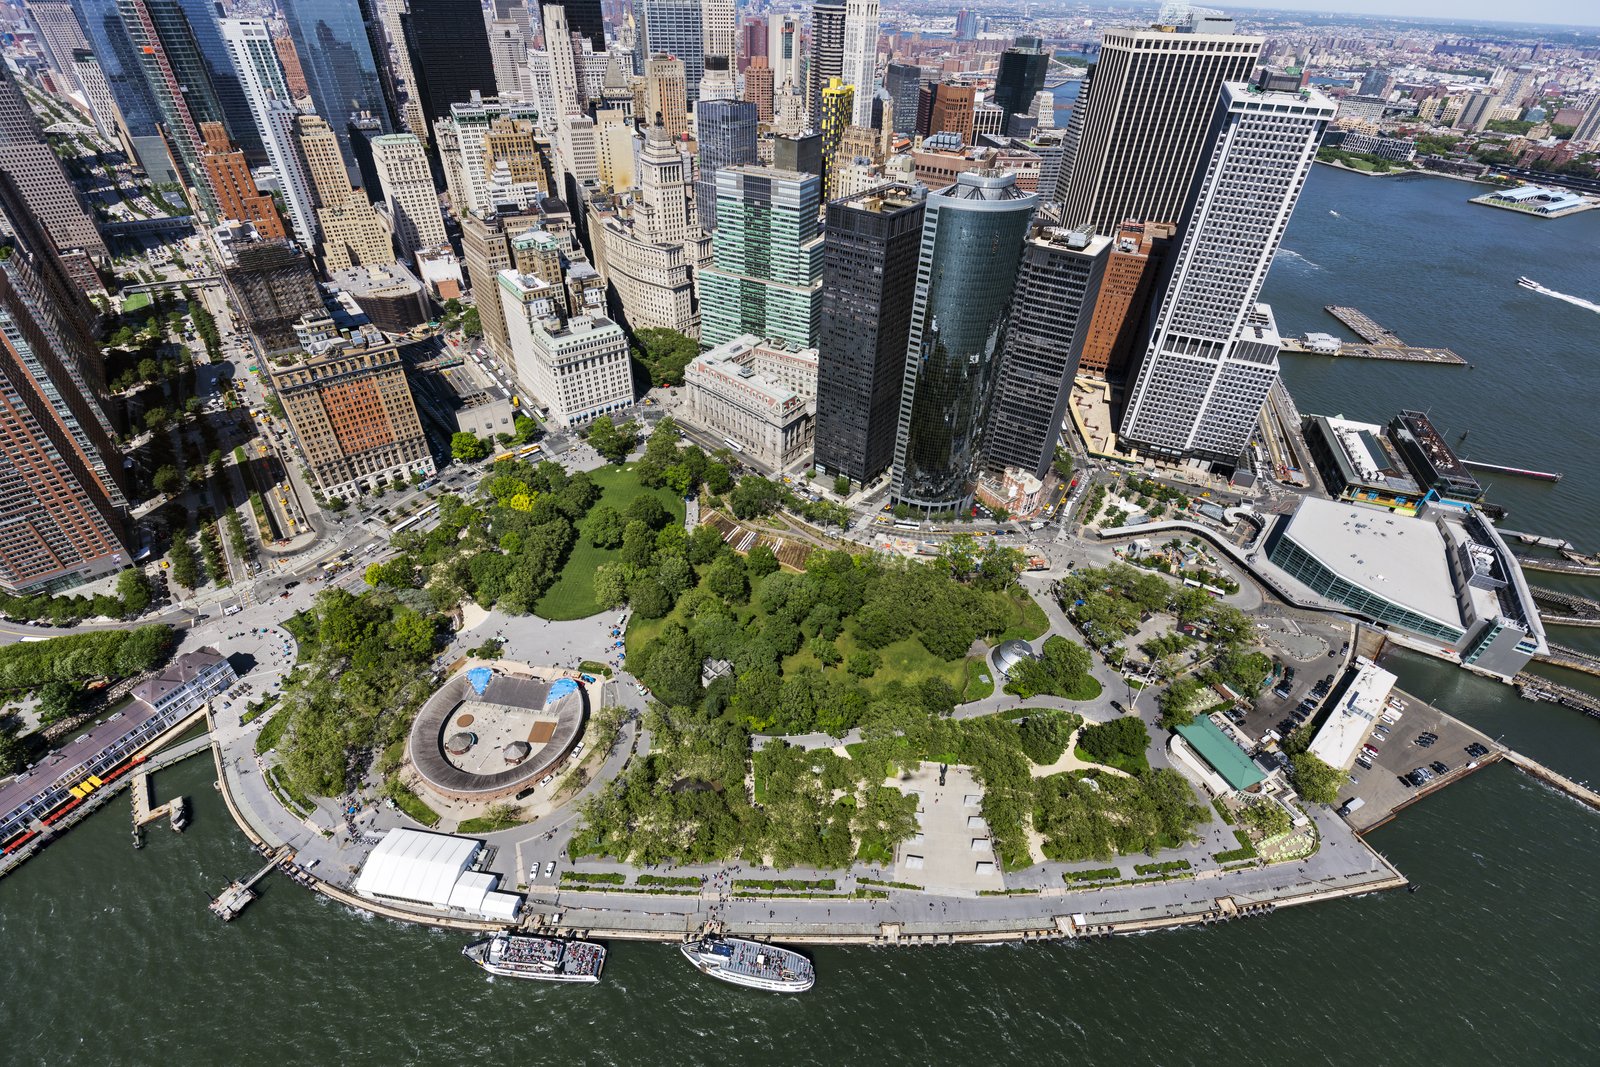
238	895
1521	472
1587	565
1533	687
1378	342
1570	658
1580	610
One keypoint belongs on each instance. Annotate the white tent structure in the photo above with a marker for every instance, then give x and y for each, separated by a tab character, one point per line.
417	867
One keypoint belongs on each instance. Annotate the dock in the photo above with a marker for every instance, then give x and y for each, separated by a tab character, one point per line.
1521	472
1571	658
227	904
1533	687
1377	342
1586	565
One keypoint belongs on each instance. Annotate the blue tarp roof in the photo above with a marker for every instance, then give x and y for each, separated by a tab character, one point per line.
560	688
479	677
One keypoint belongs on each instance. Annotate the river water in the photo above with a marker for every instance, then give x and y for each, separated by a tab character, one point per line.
108	956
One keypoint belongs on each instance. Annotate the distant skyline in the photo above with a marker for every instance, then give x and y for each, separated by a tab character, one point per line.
1550	12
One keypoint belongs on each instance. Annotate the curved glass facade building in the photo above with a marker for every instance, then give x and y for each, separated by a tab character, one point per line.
972	237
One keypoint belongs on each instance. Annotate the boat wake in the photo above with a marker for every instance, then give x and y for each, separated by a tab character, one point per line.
1297	255
1575	300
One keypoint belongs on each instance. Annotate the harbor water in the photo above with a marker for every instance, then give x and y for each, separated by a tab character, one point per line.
109	956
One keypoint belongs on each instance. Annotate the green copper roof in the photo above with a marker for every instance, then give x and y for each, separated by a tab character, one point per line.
1225	757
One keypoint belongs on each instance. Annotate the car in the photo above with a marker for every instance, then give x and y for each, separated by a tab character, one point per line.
1118	707
1440	767
549	868
1354	780
577	750
547	779
292	583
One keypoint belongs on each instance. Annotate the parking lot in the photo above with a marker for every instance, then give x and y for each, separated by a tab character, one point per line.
1382	789
1304	648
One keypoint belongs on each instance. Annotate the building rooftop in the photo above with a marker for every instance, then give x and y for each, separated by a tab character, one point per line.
180	671
1362	455
1400	559
1225	757
1353	715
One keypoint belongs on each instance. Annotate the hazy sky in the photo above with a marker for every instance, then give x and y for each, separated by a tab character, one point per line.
1559	12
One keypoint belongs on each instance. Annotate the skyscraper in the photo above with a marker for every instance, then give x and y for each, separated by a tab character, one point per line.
402	165
27	158
196	22
860	59
674	28
334	40
1057	284
585	17
60	519
228	175
266	92
972	237
758	87
449	47
952	110
108	38
869	277
726	130
1213	352
666	94
834	119
767	278
351	232
59	32
903	80
1022	72
719	36
827	53
783	49
1118	322
1138	132
165	44
273	285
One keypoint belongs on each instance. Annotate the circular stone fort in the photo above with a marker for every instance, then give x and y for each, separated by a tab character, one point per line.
491	732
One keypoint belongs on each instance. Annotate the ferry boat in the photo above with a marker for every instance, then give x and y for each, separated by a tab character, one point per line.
1527	283
545	959
750	963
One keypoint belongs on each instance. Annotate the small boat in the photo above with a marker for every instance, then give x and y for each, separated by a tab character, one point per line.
545	959
751	964
1527	283
1335	214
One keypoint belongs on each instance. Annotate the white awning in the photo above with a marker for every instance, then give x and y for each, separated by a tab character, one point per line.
417	866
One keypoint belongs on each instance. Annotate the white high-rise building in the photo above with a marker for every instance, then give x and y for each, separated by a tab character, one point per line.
861	56
784	48
719	36
402	165
579	369
1212	355
249	45
469	158
508	51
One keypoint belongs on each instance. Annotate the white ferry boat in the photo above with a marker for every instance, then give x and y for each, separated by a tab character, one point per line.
545	959
750	963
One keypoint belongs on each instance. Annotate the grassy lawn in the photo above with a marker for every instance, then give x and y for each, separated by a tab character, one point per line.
980	680
412	804
1028	621
135	302
572	595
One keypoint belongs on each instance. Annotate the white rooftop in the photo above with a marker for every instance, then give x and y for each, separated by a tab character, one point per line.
417	866
1353	718
1400	559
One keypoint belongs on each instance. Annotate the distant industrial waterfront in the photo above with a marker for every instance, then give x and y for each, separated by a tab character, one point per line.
117	960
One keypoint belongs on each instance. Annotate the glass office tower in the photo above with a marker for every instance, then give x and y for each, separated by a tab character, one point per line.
332	40
972	236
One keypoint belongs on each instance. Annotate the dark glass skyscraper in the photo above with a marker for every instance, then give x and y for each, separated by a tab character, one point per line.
1022	73
1057	284
869	277
124	74
727	138
333	40
902	81
585	17
972	238
202	18
449	46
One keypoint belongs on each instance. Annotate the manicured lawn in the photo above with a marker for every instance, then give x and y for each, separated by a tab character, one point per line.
572	595
135	302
